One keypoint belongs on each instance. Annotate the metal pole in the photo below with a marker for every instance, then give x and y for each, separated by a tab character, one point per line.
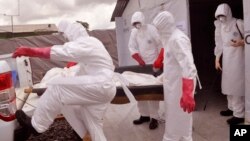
12	23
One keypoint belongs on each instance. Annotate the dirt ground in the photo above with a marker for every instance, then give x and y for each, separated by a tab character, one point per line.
60	130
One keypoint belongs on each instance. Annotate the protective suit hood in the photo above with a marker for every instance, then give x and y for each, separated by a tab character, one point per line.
138	17
165	23
62	26
224	9
74	31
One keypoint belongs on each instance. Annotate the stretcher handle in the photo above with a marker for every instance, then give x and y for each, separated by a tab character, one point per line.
38	91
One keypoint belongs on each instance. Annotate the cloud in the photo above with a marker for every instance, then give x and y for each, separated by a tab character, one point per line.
9	7
93	2
96	12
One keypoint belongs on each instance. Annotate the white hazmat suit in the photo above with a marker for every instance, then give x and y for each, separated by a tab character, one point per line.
82	98
233	58
146	42
178	67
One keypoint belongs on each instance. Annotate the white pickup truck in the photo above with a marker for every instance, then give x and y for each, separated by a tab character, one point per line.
15	75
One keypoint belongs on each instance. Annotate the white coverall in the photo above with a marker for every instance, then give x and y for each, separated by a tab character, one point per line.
232	61
145	41
84	98
178	64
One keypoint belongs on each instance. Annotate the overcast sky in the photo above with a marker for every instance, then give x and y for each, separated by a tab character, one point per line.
96	12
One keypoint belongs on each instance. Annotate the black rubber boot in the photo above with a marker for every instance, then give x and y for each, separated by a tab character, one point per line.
235	121
25	122
153	124
21	134
226	113
141	120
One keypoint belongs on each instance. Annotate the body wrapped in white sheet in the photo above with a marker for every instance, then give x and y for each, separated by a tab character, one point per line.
132	78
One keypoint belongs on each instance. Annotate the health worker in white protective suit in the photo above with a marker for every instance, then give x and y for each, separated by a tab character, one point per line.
228	30
89	92
179	79
145	45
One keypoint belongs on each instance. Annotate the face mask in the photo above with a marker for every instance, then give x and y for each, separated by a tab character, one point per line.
138	26
222	19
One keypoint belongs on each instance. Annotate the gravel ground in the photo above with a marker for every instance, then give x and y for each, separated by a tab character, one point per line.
60	130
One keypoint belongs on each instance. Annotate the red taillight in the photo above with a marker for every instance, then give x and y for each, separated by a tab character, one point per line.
9	118
7	93
7	97
5	81
8	109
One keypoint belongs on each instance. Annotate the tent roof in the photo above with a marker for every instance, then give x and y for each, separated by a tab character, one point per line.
119	9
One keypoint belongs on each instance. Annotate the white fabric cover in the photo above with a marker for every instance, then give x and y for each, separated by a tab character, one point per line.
178	64
141	79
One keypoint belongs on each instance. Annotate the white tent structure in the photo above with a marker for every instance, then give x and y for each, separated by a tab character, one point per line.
195	18
247	58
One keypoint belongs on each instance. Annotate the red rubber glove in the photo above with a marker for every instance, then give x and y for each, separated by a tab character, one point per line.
70	64
32	52
158	64
187	100
138	58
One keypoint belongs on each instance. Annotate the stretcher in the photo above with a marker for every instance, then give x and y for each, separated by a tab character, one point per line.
145	92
